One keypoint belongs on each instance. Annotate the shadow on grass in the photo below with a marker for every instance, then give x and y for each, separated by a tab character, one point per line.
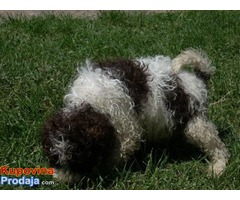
175	150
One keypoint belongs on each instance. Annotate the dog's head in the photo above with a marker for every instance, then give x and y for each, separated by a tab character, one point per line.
79	140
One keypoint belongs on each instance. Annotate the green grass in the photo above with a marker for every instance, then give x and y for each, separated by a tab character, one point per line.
39	57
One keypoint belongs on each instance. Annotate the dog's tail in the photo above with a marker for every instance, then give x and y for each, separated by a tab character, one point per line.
199	61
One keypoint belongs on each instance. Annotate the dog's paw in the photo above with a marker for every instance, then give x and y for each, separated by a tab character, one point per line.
216	169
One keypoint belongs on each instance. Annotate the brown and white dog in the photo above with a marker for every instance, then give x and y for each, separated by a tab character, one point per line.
113	106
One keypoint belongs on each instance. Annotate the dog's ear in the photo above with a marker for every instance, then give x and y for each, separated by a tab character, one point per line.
93	138
78	140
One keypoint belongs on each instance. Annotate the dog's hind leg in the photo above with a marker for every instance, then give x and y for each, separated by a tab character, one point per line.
204	135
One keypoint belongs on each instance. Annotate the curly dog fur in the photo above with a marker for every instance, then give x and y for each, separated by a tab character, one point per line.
113	106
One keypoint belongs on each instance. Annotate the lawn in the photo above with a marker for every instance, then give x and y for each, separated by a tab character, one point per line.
38	60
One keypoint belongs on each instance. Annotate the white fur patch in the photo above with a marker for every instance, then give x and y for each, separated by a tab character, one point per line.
156	119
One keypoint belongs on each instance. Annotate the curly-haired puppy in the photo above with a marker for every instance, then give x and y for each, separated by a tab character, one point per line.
113	106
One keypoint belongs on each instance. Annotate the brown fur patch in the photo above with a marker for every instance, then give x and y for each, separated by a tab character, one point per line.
90	134
204	76
177	101
133	74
